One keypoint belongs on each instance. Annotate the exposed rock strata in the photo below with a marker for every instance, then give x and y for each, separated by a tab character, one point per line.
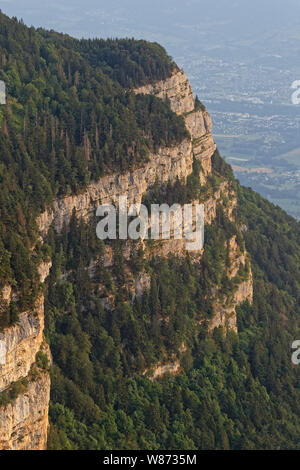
165	166
23	423
22	341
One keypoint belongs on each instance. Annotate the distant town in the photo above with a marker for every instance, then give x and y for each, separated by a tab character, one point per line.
256	125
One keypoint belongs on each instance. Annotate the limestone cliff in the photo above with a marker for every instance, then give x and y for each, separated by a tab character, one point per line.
22	341
224	306
176	89
178	92
24	416
24	420
165	166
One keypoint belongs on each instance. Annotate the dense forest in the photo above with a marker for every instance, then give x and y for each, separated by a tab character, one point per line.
67	121
70	117
235	391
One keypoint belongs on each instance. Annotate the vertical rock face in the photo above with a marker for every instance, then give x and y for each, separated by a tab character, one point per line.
24	422
178	92
24	418
22	341
165	166
176	89
224	307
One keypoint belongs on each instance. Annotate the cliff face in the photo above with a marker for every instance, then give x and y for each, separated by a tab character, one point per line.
24	418
224	306
24	421
22	342
166	166
178	91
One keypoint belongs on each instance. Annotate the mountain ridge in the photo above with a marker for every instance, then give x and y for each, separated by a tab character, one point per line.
151	347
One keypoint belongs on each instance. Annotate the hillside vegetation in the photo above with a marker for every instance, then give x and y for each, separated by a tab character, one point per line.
70	118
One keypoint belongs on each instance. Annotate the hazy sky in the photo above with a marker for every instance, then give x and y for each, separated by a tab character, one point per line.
230	29
235	18
233	51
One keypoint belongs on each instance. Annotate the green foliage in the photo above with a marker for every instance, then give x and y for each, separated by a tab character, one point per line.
130	62
42	360
67	121
15	389
70	118
220	166
233	392
178	193
198	105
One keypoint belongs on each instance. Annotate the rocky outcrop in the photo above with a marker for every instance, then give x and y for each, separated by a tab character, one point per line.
162	368
24	422
165	166
159	371
24	419
6	294
22	341
141	284
44	269
225	313
178	92
176	89
225	307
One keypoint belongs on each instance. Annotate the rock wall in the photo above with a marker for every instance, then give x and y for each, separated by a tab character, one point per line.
176	89
24	420
225	313
225	307
165	166
24	423
22	341
159	371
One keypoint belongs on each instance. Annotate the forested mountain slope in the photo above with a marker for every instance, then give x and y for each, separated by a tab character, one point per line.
153	347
